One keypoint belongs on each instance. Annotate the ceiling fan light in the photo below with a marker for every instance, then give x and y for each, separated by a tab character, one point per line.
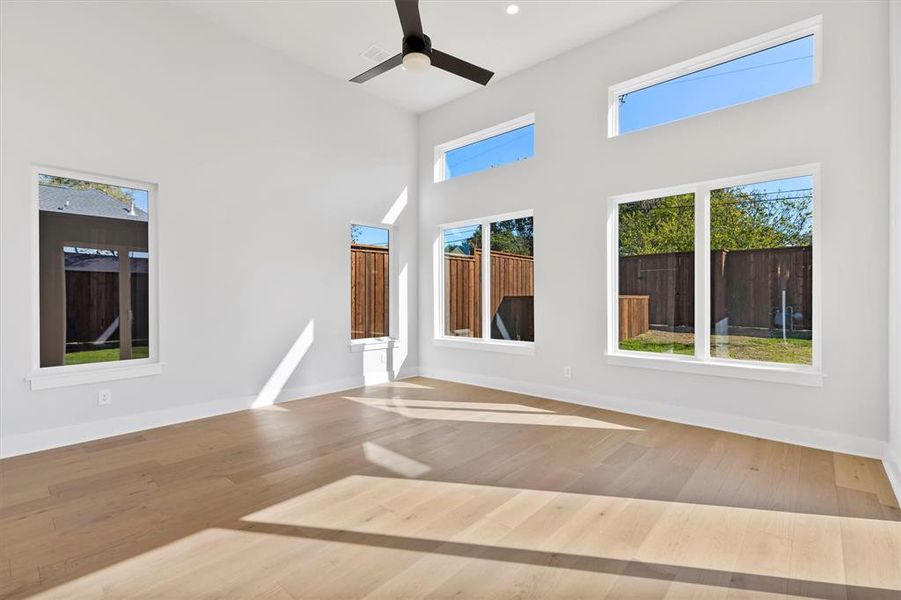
512	9
416	62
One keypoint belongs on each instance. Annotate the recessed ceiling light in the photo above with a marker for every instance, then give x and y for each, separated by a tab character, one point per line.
512	9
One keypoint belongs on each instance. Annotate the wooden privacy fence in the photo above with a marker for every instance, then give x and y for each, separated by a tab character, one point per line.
368	291
746	286
512	294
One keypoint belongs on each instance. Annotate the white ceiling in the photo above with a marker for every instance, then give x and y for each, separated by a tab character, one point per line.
330	35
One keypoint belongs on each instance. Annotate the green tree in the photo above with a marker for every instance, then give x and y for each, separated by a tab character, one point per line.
514	236
739	220
123	195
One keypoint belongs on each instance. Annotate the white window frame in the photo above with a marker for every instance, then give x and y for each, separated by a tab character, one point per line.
391	340
68	375
812	26
441	150
485	342
702	362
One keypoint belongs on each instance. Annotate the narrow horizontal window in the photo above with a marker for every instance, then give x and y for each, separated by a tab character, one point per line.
369	282
766	66
493	147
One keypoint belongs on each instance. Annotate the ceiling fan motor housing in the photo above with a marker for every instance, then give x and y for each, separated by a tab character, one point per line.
415	43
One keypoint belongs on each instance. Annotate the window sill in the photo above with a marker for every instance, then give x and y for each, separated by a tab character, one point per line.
527	348
790	374
362	345
56	377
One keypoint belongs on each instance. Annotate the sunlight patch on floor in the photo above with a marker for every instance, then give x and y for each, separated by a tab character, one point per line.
479	412
393	461
383	537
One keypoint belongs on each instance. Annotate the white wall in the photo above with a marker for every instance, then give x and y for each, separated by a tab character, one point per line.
895	248
261	165
841	123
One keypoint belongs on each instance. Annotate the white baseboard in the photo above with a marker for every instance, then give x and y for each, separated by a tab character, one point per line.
27	443
780	432
892	464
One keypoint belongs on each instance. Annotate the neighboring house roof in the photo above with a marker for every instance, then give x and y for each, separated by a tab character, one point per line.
93	203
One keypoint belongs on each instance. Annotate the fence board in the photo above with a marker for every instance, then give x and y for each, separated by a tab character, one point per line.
369	288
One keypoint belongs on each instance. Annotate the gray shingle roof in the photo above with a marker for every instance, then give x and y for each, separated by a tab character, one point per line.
93	203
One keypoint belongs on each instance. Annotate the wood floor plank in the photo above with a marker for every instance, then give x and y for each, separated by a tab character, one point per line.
430	489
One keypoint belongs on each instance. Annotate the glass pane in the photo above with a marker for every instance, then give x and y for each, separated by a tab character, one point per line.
772	71
368	282
92	305
88	312
140	304
761	271
512	281
508	147
656	275
463	281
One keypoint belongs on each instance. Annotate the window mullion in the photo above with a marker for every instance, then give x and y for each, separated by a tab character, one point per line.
702	273
486	280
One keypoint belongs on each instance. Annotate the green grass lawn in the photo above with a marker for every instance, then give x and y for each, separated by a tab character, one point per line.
742	347
105	355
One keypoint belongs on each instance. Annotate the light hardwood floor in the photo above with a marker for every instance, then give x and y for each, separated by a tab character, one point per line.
431	489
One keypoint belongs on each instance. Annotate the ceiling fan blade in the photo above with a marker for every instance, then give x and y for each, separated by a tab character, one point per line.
380	68
460	67
408	11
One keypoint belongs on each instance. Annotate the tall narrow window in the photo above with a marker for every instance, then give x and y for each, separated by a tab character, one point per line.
656	275
761	271
463	281
93	259
512	280
369	282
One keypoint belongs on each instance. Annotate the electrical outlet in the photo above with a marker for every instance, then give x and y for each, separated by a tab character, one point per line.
568	372
104	397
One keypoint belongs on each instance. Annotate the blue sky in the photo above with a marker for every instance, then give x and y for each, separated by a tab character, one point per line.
500	149
771	71
370	236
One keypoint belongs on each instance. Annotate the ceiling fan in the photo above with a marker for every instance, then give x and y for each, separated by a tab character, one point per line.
417	53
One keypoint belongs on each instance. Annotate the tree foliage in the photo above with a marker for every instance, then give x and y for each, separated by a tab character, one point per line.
739	220
123	195
514	236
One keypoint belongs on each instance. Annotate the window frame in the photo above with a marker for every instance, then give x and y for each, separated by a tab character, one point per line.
68	375
485	342
441	150
391	340
812	26
702	362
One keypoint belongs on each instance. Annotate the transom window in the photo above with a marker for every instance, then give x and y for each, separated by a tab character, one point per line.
769	64
493	147
718	272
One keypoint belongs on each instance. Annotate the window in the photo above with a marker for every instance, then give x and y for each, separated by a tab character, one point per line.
369	282
505	143
94	271
720	273
487	280
770	64
656	275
